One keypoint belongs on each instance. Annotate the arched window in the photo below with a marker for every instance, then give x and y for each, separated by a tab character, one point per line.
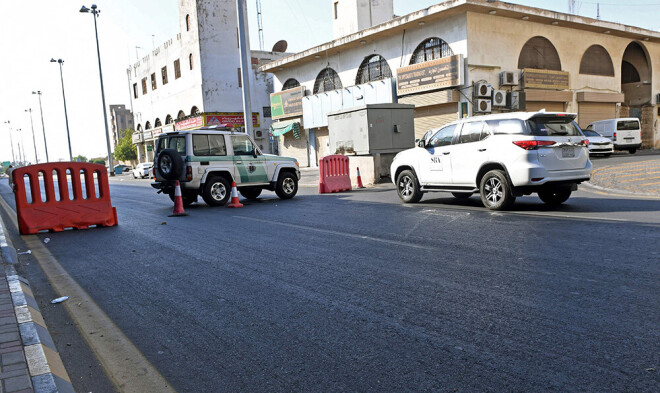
194	111
539	53
190	60
596	61
158	123
181	115
290	84
188	22
373	68
147	125
139	128
629	73
431	49
327	80
168	119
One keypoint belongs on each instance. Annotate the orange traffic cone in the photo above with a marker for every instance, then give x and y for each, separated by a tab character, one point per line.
234	196
359	179
178	202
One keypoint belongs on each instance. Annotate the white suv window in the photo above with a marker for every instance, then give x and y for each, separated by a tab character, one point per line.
209	145
472	132
242	145
443	137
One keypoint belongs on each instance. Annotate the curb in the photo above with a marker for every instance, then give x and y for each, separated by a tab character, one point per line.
47	372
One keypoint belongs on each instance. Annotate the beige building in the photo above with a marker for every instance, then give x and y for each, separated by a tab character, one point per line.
466	58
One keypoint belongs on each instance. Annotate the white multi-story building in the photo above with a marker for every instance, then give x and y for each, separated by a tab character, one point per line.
194	79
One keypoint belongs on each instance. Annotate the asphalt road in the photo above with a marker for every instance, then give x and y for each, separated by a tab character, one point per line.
357	292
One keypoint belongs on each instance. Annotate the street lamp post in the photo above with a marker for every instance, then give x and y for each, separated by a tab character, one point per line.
11	141
34	141
95	12
66	117
21	155
43	127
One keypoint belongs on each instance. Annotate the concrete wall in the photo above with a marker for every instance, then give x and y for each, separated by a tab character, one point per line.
356	15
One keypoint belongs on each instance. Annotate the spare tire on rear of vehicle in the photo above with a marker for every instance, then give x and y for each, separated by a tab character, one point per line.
169	164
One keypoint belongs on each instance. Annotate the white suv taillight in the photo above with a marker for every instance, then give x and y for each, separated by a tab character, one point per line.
533	145
189	174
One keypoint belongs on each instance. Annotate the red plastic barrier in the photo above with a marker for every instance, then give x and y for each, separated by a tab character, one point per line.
334	174
56	215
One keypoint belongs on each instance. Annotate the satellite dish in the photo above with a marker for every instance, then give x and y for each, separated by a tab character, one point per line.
280	46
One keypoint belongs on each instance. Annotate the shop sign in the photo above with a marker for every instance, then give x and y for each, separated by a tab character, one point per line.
148	135
137	137
545	79
430	75
187	124
287	103
231	119
150	147
163	129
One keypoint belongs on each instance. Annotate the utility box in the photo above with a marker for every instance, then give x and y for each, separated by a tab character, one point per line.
372	129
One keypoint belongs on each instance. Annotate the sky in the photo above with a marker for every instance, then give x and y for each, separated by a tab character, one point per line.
30	37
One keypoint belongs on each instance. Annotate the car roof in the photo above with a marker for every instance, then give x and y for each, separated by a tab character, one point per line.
208	130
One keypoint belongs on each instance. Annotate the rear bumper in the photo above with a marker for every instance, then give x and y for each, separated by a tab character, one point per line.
626	146
538	176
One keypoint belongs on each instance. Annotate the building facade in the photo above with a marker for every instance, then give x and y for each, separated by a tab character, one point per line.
121	121
469	57
197	75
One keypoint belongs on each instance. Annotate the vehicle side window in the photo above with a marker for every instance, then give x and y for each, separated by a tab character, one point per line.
471	132
200	145
242	145
627	125
217	145
161	144
508	126
442	137
178	143
590	127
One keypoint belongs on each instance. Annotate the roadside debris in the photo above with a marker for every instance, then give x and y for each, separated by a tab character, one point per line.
59	300
28	252
163	223
47	240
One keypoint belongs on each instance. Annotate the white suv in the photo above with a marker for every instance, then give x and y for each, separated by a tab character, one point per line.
206	161
501	156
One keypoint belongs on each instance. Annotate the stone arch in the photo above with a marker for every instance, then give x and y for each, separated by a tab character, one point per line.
596	61
290	84
147	125
636	76
158	123
194	111
139	128
168	119
538	52
181	115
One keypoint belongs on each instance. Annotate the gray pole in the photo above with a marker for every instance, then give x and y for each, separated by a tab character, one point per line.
21	156
246	65
105	115
66	117
43	127
130	92
36	159
11	140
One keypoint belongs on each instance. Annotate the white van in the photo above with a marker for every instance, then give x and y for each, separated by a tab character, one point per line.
626	133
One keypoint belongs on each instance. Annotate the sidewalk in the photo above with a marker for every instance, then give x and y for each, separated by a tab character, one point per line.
636	178
29	361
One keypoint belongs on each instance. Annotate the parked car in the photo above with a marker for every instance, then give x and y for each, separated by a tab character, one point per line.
501	157
143	170
625	133
206	162
124	168
598	144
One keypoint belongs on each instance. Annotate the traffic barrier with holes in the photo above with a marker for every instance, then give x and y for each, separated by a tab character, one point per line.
79	210
334	174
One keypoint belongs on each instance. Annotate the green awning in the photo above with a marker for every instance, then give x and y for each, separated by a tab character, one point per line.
283	129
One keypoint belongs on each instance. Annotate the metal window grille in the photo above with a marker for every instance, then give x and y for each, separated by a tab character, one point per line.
327	80
373	68
290	84
431	49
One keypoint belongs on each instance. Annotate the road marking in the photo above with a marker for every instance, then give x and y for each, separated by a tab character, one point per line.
651	184
638	179
127	367
637	174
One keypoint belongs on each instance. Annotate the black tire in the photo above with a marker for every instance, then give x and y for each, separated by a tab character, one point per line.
555	196
632	151
461	195
217	191
287	185
188	198
250	192
169	164
407	187
607	155
495	190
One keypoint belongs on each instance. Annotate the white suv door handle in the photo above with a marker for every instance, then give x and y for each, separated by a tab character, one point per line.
481	150
239	162
445	152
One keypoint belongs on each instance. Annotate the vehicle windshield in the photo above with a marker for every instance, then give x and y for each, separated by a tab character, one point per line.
553	126
590	133
627	125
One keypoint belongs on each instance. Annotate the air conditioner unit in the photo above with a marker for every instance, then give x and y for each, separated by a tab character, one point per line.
508	78
499	98
258	134
482	105
483	90
516	100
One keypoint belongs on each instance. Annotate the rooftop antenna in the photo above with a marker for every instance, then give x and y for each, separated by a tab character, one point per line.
598	11
260	26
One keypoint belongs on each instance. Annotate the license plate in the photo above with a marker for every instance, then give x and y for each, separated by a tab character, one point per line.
567	152
632	137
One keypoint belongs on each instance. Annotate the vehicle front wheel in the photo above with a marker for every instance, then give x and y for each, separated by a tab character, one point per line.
407	187
555	196
461	195
217	191
495	190
287	185
250	192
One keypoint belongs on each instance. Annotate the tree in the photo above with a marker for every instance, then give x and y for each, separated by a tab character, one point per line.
80	158
126	150
98	161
